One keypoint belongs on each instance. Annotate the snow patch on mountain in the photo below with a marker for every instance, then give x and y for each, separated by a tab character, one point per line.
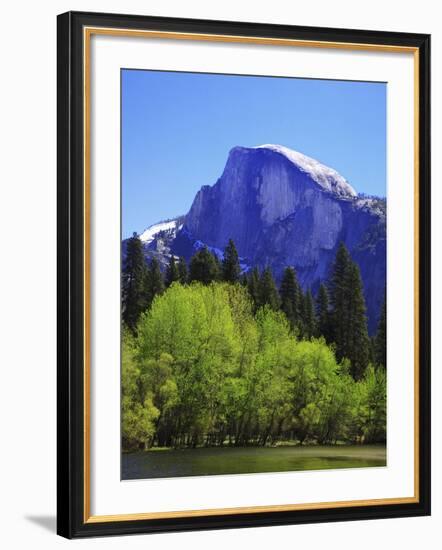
151	232
330	180
375	205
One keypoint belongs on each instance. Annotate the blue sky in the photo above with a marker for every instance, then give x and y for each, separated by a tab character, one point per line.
177	130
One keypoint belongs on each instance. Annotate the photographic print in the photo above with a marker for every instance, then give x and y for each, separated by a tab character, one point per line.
253	281
225	194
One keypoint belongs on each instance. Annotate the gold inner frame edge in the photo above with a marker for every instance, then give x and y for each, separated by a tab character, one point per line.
87	33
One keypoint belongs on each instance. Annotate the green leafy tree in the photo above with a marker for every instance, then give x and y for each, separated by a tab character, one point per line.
312	375
376	384
203	267
337	407
267	291
194	326
183	272
134	283
323	324
231	269
158	378
172	273
269	390
370	407
137	409
380	340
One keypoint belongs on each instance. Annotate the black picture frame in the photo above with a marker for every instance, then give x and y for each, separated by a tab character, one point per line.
72	519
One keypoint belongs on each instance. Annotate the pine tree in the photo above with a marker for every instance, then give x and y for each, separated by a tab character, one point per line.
231	269
267	291
203	267
380	340
358	341
301	314
244	280
349	322
134	281
373	349
183	274
308	322
339	300
253	287
218	267
155	282
290	294
323	314
172	273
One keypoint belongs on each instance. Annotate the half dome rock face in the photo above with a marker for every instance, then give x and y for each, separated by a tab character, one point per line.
326	177
262	187
282	209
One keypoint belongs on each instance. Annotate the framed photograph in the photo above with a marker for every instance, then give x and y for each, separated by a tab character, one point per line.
243	274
